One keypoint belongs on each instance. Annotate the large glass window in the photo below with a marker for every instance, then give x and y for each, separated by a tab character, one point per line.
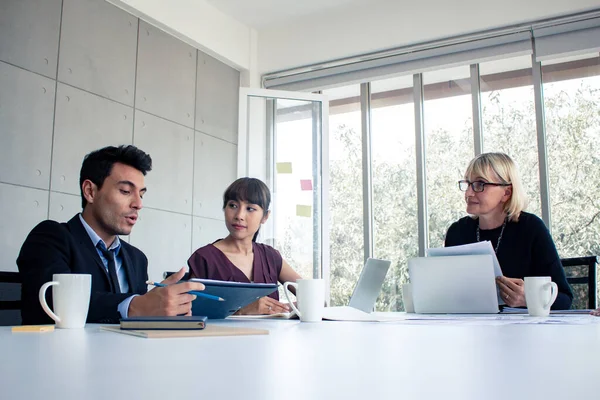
345	195
572	108
571	95
508	119
448	144
395	223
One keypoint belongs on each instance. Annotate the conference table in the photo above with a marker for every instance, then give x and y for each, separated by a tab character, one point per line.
482	358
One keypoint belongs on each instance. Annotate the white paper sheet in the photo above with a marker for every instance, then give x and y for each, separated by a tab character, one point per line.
511	310
346	313
489	319
468	250
287	315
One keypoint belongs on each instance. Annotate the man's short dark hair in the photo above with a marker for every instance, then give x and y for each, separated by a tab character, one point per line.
98	164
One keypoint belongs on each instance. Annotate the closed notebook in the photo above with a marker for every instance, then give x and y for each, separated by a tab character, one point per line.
164	323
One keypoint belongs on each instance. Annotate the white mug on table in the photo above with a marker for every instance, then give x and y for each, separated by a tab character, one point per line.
310	294
70	297
407	299
540	293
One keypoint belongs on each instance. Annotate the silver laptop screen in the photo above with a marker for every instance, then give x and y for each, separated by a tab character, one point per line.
369	284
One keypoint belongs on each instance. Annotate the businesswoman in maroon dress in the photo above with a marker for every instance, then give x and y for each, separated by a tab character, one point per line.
238	257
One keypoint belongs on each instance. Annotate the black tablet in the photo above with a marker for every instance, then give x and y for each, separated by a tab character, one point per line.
235	294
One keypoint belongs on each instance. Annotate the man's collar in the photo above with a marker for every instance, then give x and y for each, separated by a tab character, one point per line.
116	245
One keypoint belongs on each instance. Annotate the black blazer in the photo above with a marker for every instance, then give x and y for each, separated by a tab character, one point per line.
58	248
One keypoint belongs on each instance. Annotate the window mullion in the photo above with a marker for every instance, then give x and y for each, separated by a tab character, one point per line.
420	150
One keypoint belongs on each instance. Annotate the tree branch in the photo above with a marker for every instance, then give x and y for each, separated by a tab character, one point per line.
592	220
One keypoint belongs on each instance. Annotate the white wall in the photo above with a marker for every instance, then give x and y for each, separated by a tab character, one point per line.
199	24
335	34
388	24
116	80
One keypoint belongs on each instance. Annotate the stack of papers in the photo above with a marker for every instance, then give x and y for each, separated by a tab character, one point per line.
511	310
500	319
468	250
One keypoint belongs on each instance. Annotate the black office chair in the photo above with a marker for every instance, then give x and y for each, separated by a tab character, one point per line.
167	274
581	275
10	298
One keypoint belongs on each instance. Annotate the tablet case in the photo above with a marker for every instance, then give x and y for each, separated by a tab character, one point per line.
235	294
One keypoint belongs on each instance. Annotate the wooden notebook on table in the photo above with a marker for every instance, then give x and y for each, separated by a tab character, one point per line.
209	330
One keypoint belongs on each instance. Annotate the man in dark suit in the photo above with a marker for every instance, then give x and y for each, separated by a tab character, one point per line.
112	187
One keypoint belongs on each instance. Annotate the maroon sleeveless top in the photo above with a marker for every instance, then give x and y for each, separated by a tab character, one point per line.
208	262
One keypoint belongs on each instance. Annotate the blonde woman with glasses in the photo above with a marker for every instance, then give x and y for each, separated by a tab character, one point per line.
495	202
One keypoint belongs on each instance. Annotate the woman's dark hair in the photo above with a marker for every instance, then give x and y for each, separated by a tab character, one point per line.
250	190
98	164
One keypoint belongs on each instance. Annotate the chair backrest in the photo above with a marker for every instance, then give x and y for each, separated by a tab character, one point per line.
581	275
10	298
167	274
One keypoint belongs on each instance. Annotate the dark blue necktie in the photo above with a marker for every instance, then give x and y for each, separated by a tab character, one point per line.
112	270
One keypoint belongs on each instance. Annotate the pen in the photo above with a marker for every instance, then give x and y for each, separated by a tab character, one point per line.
205	295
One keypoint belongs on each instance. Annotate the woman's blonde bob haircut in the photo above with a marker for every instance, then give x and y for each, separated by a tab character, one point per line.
500	168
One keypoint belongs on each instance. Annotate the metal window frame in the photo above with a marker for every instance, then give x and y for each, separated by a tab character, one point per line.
367	183
477	113
318	223
418	99
540	123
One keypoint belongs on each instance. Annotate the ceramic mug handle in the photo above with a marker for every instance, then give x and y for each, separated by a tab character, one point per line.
286	290
42	296
554	293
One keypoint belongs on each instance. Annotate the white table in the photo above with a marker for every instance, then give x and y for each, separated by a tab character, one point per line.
326	360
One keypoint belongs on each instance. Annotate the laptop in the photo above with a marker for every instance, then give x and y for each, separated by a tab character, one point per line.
369	284
364	296
453	284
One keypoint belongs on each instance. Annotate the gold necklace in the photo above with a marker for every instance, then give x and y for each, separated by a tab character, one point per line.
499	237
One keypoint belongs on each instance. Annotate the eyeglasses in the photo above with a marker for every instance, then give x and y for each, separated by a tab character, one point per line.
478	186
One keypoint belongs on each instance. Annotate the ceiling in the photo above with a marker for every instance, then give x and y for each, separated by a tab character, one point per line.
259	14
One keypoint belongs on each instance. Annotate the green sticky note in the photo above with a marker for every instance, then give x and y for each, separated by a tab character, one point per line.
284	167
303	211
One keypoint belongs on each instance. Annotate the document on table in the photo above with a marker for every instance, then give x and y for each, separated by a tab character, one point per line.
511	310
283	315
468	250
346	313
352	314
498	319
342	313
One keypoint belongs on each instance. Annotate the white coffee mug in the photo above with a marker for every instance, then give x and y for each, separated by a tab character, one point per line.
540	293
407	298
71	299
310	294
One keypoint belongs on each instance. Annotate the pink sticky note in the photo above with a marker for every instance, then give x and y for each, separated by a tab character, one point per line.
305	184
